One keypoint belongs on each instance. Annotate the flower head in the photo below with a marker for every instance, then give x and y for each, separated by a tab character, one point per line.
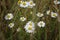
24	4
9	16
22	18
53	15
31	4
29	27
11	25
39	14
41	24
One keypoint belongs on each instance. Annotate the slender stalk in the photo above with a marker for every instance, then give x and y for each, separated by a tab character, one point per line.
31	36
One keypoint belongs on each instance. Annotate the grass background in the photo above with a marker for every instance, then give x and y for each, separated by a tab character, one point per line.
50	32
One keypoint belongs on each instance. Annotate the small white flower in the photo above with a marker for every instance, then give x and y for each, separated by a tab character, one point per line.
11	25
56	2
41	24
29	27
48	12
39	14
31	4
22	18
18	29
24	4
54	15
9	16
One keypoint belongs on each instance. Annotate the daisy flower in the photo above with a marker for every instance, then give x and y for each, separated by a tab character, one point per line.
22	18
29	27
56	2
39	14
9	16
41	24
48	12
53	15
31	4
11	25
24	4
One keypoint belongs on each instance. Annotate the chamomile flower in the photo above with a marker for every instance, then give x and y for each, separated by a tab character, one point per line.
22	18
39	14
56	2
24	4
9	16
29	27
31	4
54	15
41	24
48	12
11	25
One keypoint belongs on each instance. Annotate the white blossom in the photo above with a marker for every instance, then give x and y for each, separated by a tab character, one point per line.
9	16
11	25
40	14
41	24
29	27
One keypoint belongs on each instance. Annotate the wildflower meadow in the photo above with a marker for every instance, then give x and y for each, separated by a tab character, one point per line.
30	20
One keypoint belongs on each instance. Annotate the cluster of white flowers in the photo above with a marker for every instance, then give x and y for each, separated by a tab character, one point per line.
26	4
30	27
53	14
9	16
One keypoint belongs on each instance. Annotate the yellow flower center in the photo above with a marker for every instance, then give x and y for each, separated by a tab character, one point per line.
31	3
24	3
30	28
8	16
41	23
54	14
